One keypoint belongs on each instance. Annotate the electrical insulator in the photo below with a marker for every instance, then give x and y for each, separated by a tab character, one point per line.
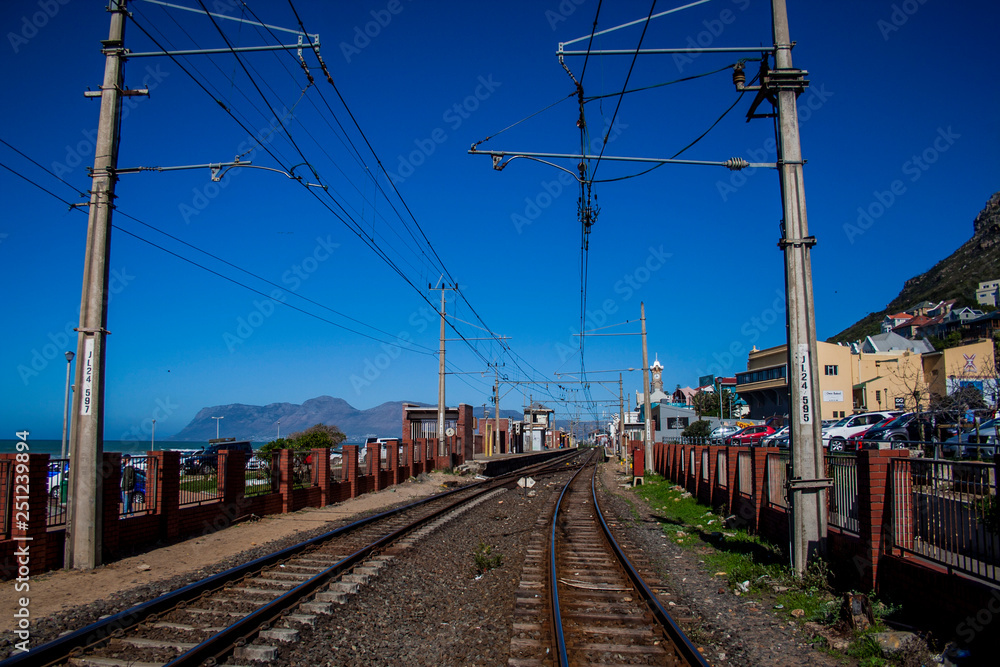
735	164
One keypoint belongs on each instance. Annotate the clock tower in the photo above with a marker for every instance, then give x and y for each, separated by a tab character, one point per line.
656	377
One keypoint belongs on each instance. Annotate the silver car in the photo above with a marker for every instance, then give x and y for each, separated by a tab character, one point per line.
720	433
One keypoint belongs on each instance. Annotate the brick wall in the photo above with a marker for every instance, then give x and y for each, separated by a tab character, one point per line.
166	521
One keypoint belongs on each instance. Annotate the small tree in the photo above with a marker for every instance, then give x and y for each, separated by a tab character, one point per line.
319	436
705	403
698	429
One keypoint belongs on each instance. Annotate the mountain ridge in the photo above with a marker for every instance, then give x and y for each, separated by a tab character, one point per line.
259	423
957	276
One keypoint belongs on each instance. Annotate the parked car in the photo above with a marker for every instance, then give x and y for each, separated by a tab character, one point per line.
772	440
908	427
968	445
720	433
56	477
855	442
206	460
835	436
751	435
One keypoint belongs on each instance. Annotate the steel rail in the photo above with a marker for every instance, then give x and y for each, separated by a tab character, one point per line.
68	645
683	644
561	657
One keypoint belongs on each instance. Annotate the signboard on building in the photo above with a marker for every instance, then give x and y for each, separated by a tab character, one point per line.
833	396
706	380
900	403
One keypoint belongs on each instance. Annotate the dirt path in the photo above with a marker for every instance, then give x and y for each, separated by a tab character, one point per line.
61	590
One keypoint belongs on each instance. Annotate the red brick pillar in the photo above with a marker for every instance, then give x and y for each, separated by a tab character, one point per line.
166	490
375	456
27	514
760	478
392	452
285	480
350	463
111	471
232	478
321	474
408	450
874	506
732	474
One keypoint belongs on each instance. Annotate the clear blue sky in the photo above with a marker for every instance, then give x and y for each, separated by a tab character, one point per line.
890	82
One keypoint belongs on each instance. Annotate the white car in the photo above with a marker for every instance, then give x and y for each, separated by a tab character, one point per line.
772	440
835	436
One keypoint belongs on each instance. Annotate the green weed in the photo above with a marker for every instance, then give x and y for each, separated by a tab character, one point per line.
485	560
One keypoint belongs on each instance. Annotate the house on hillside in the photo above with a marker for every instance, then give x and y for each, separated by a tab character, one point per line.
890	322
988	293
893	342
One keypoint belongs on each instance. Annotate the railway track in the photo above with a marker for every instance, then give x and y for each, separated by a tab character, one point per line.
582	602
245	612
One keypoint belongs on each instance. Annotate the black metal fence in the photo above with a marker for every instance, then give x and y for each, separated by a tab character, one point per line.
947	512
261	475
201	485
58	489
138	490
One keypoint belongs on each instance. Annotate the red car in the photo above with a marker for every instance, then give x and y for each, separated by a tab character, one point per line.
751	435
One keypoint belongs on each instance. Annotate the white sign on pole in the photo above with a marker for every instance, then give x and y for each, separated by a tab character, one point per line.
526	482
803	376
86	404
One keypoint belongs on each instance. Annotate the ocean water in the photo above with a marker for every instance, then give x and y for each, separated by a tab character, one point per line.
53	447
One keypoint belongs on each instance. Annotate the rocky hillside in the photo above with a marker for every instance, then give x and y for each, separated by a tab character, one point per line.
258	423
955	277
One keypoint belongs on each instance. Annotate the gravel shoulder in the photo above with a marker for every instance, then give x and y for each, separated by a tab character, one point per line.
731	630
61	600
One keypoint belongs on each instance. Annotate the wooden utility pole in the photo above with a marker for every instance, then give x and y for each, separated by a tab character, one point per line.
441	404
84	513
621	417
496	413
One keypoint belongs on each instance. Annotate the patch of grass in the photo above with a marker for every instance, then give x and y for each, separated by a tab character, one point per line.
485	560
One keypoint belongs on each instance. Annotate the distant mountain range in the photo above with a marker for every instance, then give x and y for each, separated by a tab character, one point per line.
259	423
954	277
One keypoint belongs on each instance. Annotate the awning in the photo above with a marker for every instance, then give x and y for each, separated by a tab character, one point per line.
861	385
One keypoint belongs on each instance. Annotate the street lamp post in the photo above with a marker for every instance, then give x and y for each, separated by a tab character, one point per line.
152	442
217	425
69	363
279	429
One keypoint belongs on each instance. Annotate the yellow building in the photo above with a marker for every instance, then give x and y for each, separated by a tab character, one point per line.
881	373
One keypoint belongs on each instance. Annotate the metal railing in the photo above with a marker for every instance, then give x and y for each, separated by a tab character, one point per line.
58	489
203	486
261	475
302	470
722	469
141	498
947	512
777	480
7	495
842	498
744	474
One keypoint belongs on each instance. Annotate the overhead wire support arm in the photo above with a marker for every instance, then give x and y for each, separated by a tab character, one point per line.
734	164
669	51
220	169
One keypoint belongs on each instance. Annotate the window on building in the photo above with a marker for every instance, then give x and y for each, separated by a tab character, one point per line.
829	370
878	396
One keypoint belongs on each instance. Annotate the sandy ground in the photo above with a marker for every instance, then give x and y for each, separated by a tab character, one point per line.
54	591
